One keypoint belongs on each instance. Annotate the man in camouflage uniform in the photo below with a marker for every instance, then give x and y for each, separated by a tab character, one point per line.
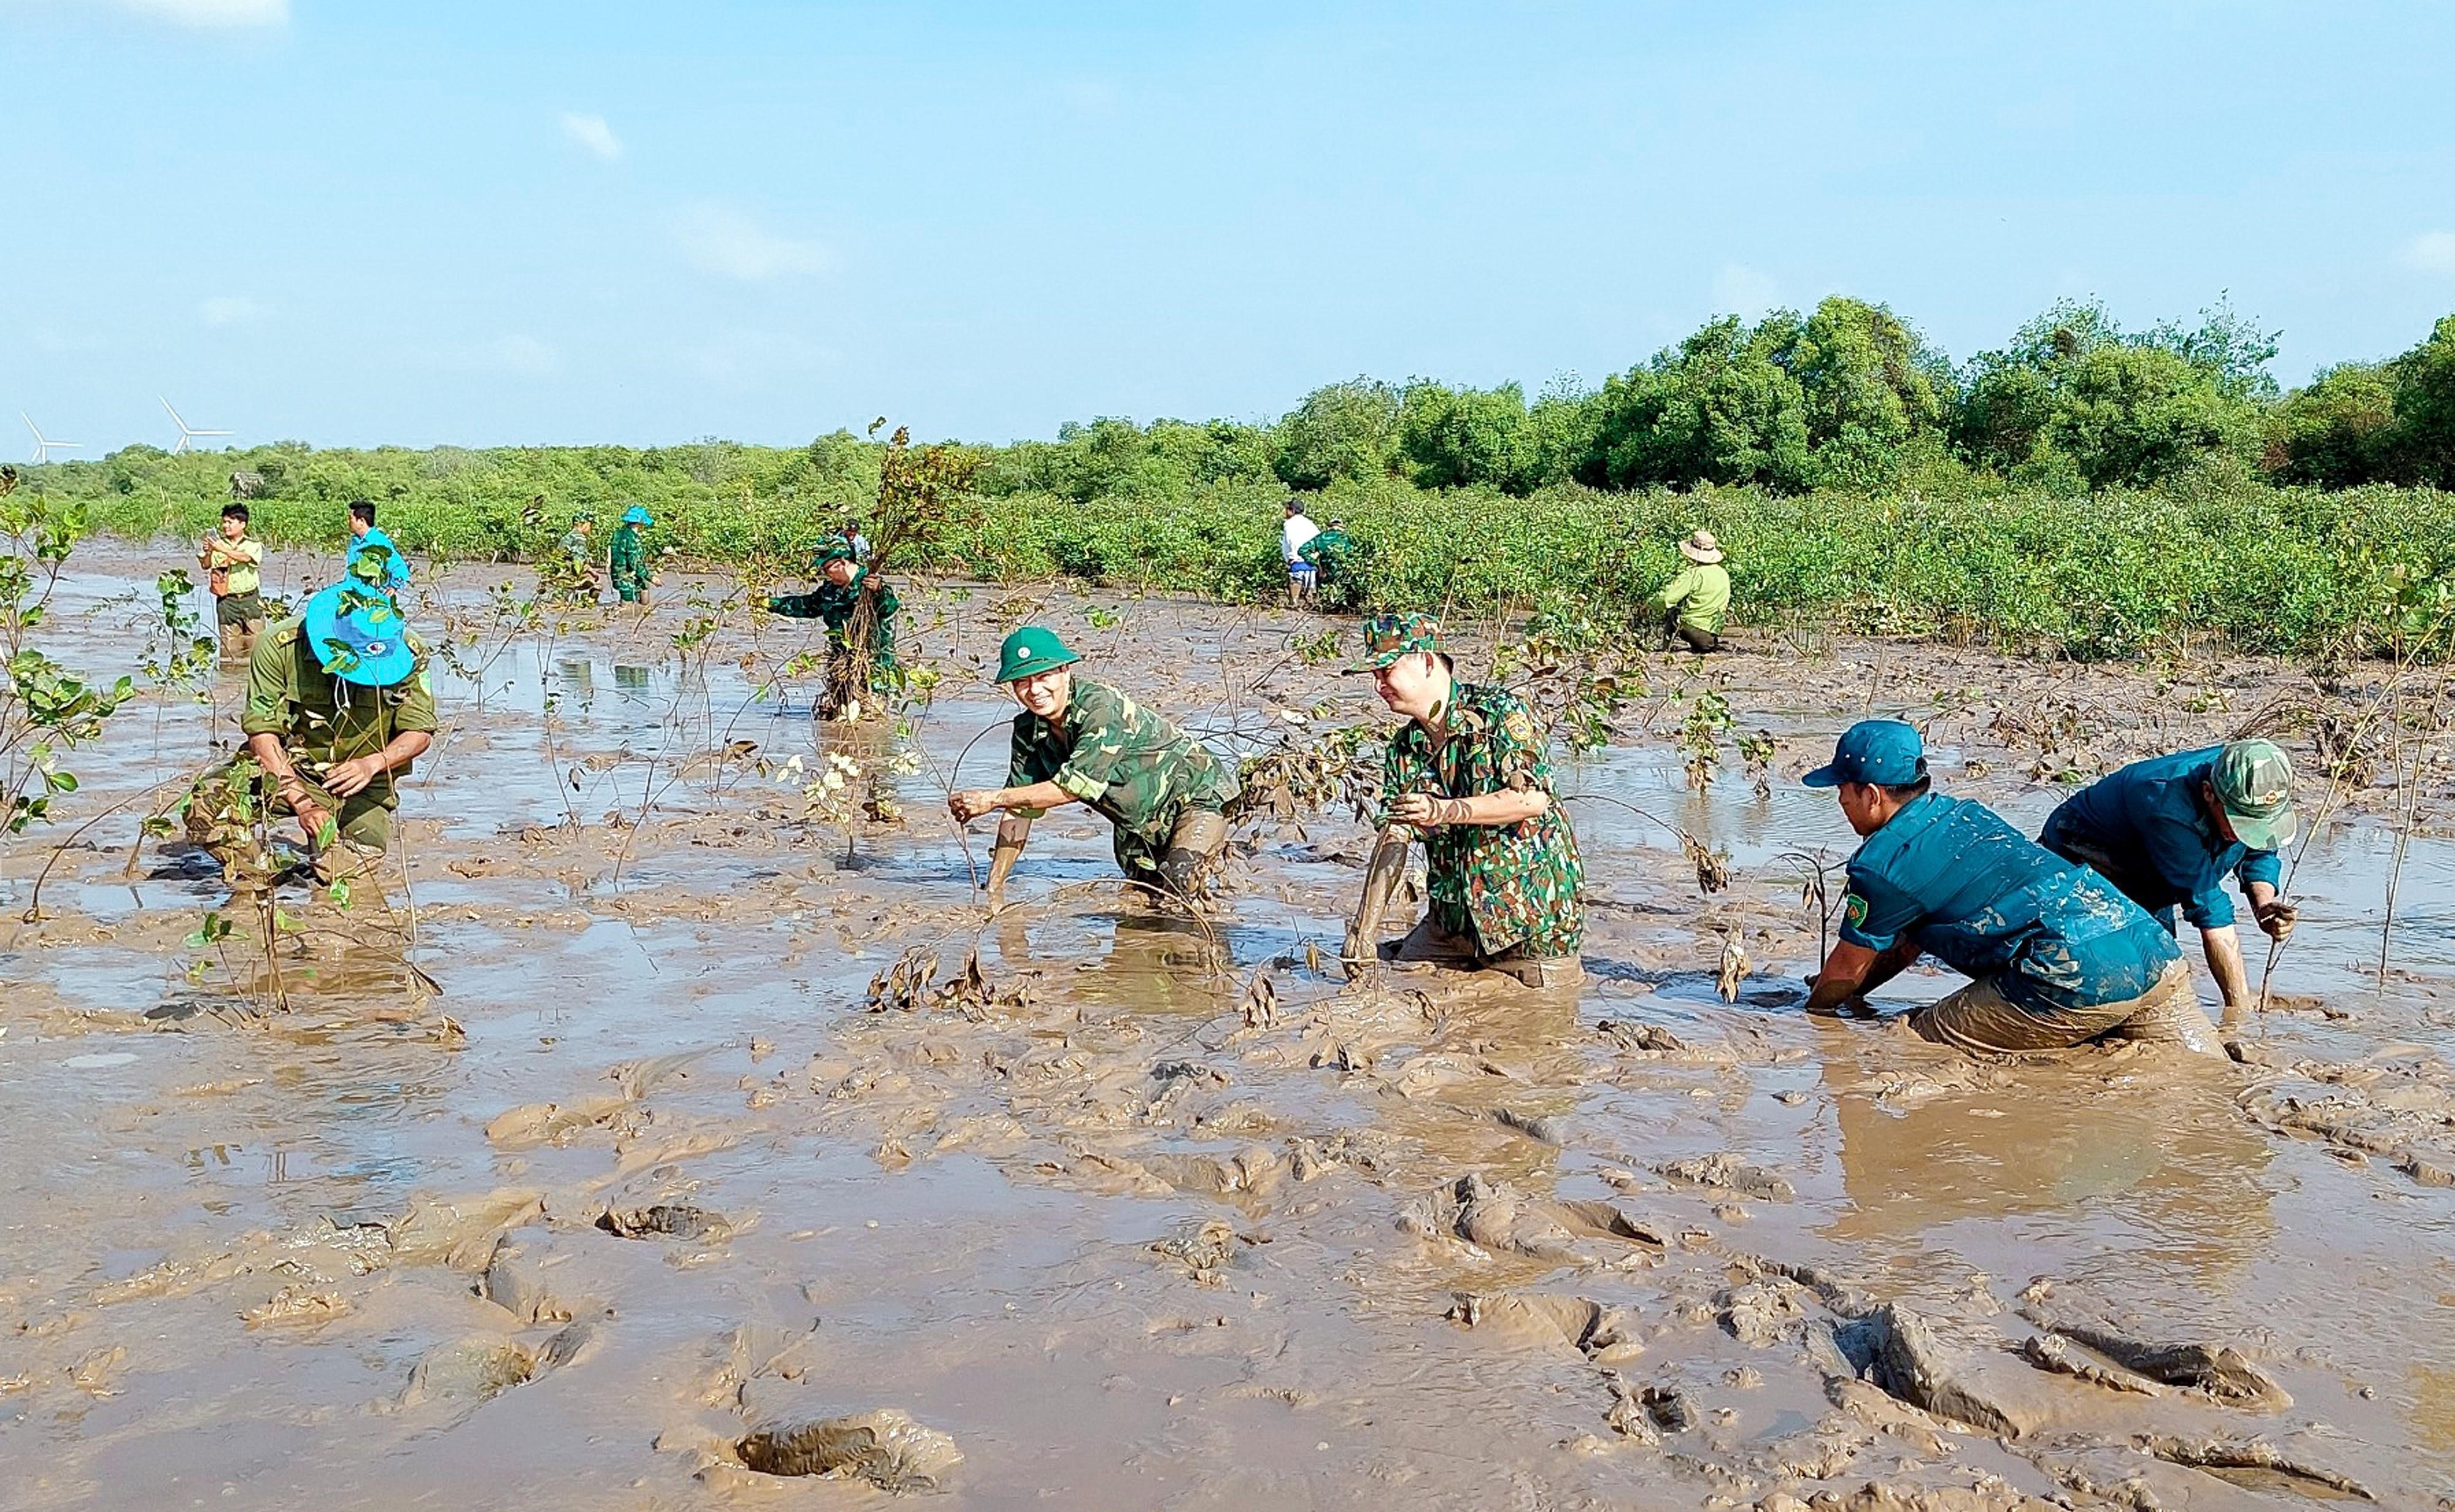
843	580
1467	772
1082	742
626	557
1332	556
337	704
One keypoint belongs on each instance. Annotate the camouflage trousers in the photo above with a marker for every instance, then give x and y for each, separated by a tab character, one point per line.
1173	853
1432	942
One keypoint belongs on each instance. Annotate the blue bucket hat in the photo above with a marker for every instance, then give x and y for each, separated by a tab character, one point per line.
1884	751
358	636
636	514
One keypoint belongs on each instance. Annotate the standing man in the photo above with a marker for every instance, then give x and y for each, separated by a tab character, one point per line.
2057	955
337	706
1694	603
627	558
1331	556
2168	832
1293	534
235	572
1467	772
384	566
1082	742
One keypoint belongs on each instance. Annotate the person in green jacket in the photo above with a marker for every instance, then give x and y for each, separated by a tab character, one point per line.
844	582
627	556
1332	556
1695	602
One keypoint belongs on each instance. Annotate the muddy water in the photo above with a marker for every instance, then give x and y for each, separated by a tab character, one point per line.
1126	1238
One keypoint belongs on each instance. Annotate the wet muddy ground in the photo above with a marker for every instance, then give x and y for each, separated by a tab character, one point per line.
657	1205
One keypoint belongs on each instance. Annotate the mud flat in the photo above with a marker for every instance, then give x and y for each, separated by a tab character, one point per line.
659	1205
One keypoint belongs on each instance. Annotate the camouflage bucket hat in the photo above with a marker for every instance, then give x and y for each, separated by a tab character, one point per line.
2253	783
833	549
1386	637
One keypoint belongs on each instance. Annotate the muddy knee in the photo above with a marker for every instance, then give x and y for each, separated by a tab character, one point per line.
1197	841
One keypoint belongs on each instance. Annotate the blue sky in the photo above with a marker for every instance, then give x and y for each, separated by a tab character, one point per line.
503	223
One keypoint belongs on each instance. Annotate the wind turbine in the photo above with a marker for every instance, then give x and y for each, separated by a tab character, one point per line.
44	445
187	432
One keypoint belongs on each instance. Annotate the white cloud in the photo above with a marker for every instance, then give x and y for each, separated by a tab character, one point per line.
217	14
1743	290
2431	253
232	310
717	240
593	134
525	355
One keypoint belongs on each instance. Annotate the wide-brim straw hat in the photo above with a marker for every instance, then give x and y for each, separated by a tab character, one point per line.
1701	547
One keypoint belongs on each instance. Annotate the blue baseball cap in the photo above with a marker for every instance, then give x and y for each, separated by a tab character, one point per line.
358	636
1884	751
637	515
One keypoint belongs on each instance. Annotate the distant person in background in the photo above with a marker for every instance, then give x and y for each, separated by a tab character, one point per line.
372	558
579	559
1331	556
859	542
2056	955
233	573
2168	832
1694	603
626	557
1293	535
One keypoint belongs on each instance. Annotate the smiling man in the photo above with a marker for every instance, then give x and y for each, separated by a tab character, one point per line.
1467	772
2057	956
1079	740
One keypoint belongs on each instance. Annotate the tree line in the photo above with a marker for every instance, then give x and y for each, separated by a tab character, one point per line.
1847	396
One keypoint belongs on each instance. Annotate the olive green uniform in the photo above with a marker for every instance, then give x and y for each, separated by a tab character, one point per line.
626	562
1131	765
322	721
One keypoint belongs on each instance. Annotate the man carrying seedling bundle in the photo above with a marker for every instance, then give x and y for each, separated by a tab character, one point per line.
2058	956
1694	604
233	571
1467	772
1078	741
373	557
2168	832
579	559
626	555
1331	556
338	705
844	582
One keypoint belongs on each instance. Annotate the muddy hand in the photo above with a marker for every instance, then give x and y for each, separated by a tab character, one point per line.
970	804
2277	918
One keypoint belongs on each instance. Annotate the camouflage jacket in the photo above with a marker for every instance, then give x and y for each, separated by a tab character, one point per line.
627	559
322	719
1132	765
1328	552
835	606
1509	884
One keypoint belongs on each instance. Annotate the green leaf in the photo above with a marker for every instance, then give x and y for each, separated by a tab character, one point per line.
327	832
61	781
339	891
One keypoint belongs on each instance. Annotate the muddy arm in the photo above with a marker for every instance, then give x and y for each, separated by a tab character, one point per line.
2223	947
1012	831
1381	878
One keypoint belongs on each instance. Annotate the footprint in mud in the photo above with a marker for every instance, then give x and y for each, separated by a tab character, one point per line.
475	1370
1497	1217
667	1220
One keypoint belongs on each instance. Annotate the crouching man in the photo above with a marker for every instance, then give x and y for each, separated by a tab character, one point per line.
1078	741
337	706
2056	955
1467	772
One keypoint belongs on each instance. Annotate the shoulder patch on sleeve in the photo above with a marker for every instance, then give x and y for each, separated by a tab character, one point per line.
1854	911
1519	726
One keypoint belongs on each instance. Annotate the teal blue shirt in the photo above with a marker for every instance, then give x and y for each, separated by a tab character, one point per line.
2147	830
1988	902
397	568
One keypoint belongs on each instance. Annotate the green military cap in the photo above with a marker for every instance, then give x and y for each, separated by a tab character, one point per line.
1386	637
2253	783
833	549
1030	651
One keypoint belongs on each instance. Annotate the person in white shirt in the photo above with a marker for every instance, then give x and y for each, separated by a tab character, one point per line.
1292	537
